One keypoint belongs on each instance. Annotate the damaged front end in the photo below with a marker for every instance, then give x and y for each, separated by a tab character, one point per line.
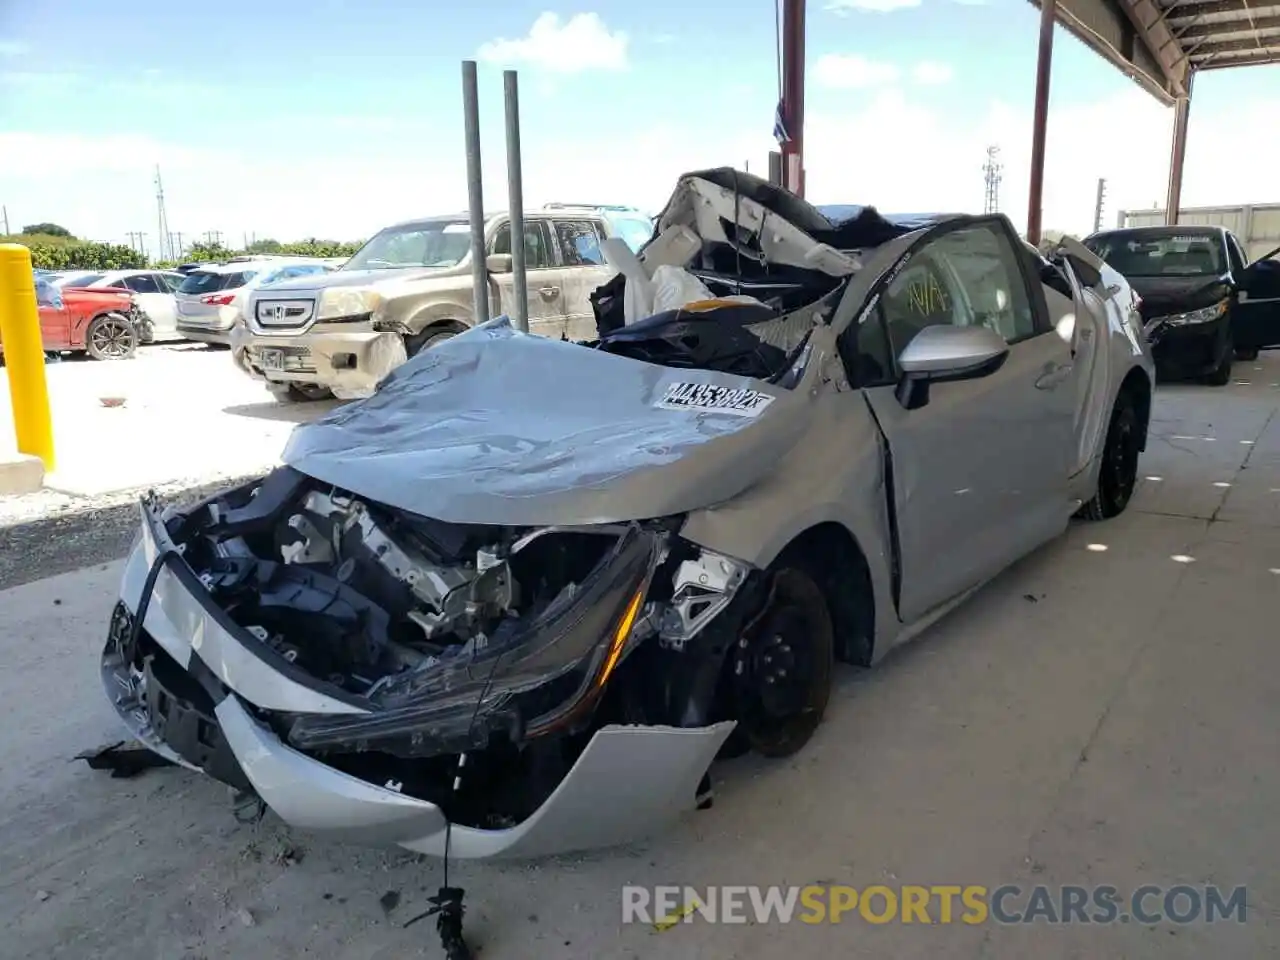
389	677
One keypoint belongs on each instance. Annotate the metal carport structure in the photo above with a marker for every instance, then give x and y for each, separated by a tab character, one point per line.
1162	45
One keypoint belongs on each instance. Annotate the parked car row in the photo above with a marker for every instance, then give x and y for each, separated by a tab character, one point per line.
150	306
409	288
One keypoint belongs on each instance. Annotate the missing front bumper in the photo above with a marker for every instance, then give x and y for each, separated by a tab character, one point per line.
215	692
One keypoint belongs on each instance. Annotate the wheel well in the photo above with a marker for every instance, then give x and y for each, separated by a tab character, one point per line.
414	341
1137	385
831	555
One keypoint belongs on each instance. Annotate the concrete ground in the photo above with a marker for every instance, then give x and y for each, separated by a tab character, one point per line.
1098	715
187	414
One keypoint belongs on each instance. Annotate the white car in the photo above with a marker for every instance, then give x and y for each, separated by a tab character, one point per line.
210	299
153	292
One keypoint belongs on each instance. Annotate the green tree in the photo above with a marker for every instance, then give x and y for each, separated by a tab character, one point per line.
47	230
265	246
208	251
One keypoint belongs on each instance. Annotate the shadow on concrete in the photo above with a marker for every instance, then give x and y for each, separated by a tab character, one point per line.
282	412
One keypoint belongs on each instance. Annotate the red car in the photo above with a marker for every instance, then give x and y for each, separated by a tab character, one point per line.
104	323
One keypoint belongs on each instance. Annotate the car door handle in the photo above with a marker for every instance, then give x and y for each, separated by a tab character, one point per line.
1053	376
549	291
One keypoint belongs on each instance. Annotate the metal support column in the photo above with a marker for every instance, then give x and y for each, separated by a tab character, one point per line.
1040	121
515	201
475	191
793	34
1181	113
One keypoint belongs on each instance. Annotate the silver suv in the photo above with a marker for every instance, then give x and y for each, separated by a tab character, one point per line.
409	287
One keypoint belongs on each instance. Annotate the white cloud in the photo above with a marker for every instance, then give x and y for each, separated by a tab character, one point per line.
853	72
932	73
578	44
845	7
13	48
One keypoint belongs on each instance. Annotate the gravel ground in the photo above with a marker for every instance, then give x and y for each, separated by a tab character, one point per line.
48	533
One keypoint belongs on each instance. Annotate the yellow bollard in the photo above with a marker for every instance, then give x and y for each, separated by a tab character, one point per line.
24	354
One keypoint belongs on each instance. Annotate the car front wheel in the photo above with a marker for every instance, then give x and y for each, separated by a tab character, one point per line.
111	336
1118	473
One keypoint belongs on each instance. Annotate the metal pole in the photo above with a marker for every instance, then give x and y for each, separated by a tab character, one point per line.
475	192
1097	205
515	200
793	35
1040	121
1181	113
24	354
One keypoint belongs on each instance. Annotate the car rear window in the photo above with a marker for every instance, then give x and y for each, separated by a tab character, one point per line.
201	282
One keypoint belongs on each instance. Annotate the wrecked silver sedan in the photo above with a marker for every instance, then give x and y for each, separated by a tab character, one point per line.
519	599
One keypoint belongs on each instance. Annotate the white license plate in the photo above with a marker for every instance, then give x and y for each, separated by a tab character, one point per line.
271	359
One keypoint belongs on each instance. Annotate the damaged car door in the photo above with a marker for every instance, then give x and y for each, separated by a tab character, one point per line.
978	427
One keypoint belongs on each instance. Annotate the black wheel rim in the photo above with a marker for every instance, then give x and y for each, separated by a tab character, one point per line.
778	667
112	338
1120	467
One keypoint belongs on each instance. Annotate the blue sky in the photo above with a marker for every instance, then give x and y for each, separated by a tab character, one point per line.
335	116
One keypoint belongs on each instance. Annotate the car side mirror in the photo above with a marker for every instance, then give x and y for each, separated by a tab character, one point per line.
498	263
942	354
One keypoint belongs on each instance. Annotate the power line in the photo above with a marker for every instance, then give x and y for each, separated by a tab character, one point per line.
991	175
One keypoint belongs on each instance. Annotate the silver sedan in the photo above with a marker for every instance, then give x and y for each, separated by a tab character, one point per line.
518	600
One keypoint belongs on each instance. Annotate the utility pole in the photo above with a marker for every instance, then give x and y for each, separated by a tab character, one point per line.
213	237
5	212
1097	207
162	221
138	241
175	250
991	172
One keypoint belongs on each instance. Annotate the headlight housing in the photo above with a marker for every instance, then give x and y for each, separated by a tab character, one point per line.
347	303
1203	315
549	671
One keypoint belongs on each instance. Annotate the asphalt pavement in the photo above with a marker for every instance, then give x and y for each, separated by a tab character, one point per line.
1099	715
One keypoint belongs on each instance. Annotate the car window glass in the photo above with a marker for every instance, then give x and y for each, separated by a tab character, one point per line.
141	283
579	242
174	281
535	247
966	277
48	295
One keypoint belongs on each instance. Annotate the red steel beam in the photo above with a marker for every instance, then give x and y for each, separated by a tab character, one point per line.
1040	121
793	54
1181	113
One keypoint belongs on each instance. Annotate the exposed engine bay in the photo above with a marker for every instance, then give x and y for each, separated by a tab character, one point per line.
512	644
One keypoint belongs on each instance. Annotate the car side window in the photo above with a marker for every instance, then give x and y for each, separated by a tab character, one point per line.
579	242
116	285
47	295
1238	260
965	277
142	283
535	248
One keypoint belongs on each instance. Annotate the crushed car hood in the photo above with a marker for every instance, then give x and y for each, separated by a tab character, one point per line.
500	427
1173	294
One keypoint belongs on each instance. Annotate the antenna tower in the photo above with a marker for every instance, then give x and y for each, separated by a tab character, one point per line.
991	173
164	244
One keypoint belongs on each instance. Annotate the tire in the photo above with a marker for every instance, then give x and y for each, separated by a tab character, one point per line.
298	392
1118	474
781	667
1246	355
428	338
111	336
1222	375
